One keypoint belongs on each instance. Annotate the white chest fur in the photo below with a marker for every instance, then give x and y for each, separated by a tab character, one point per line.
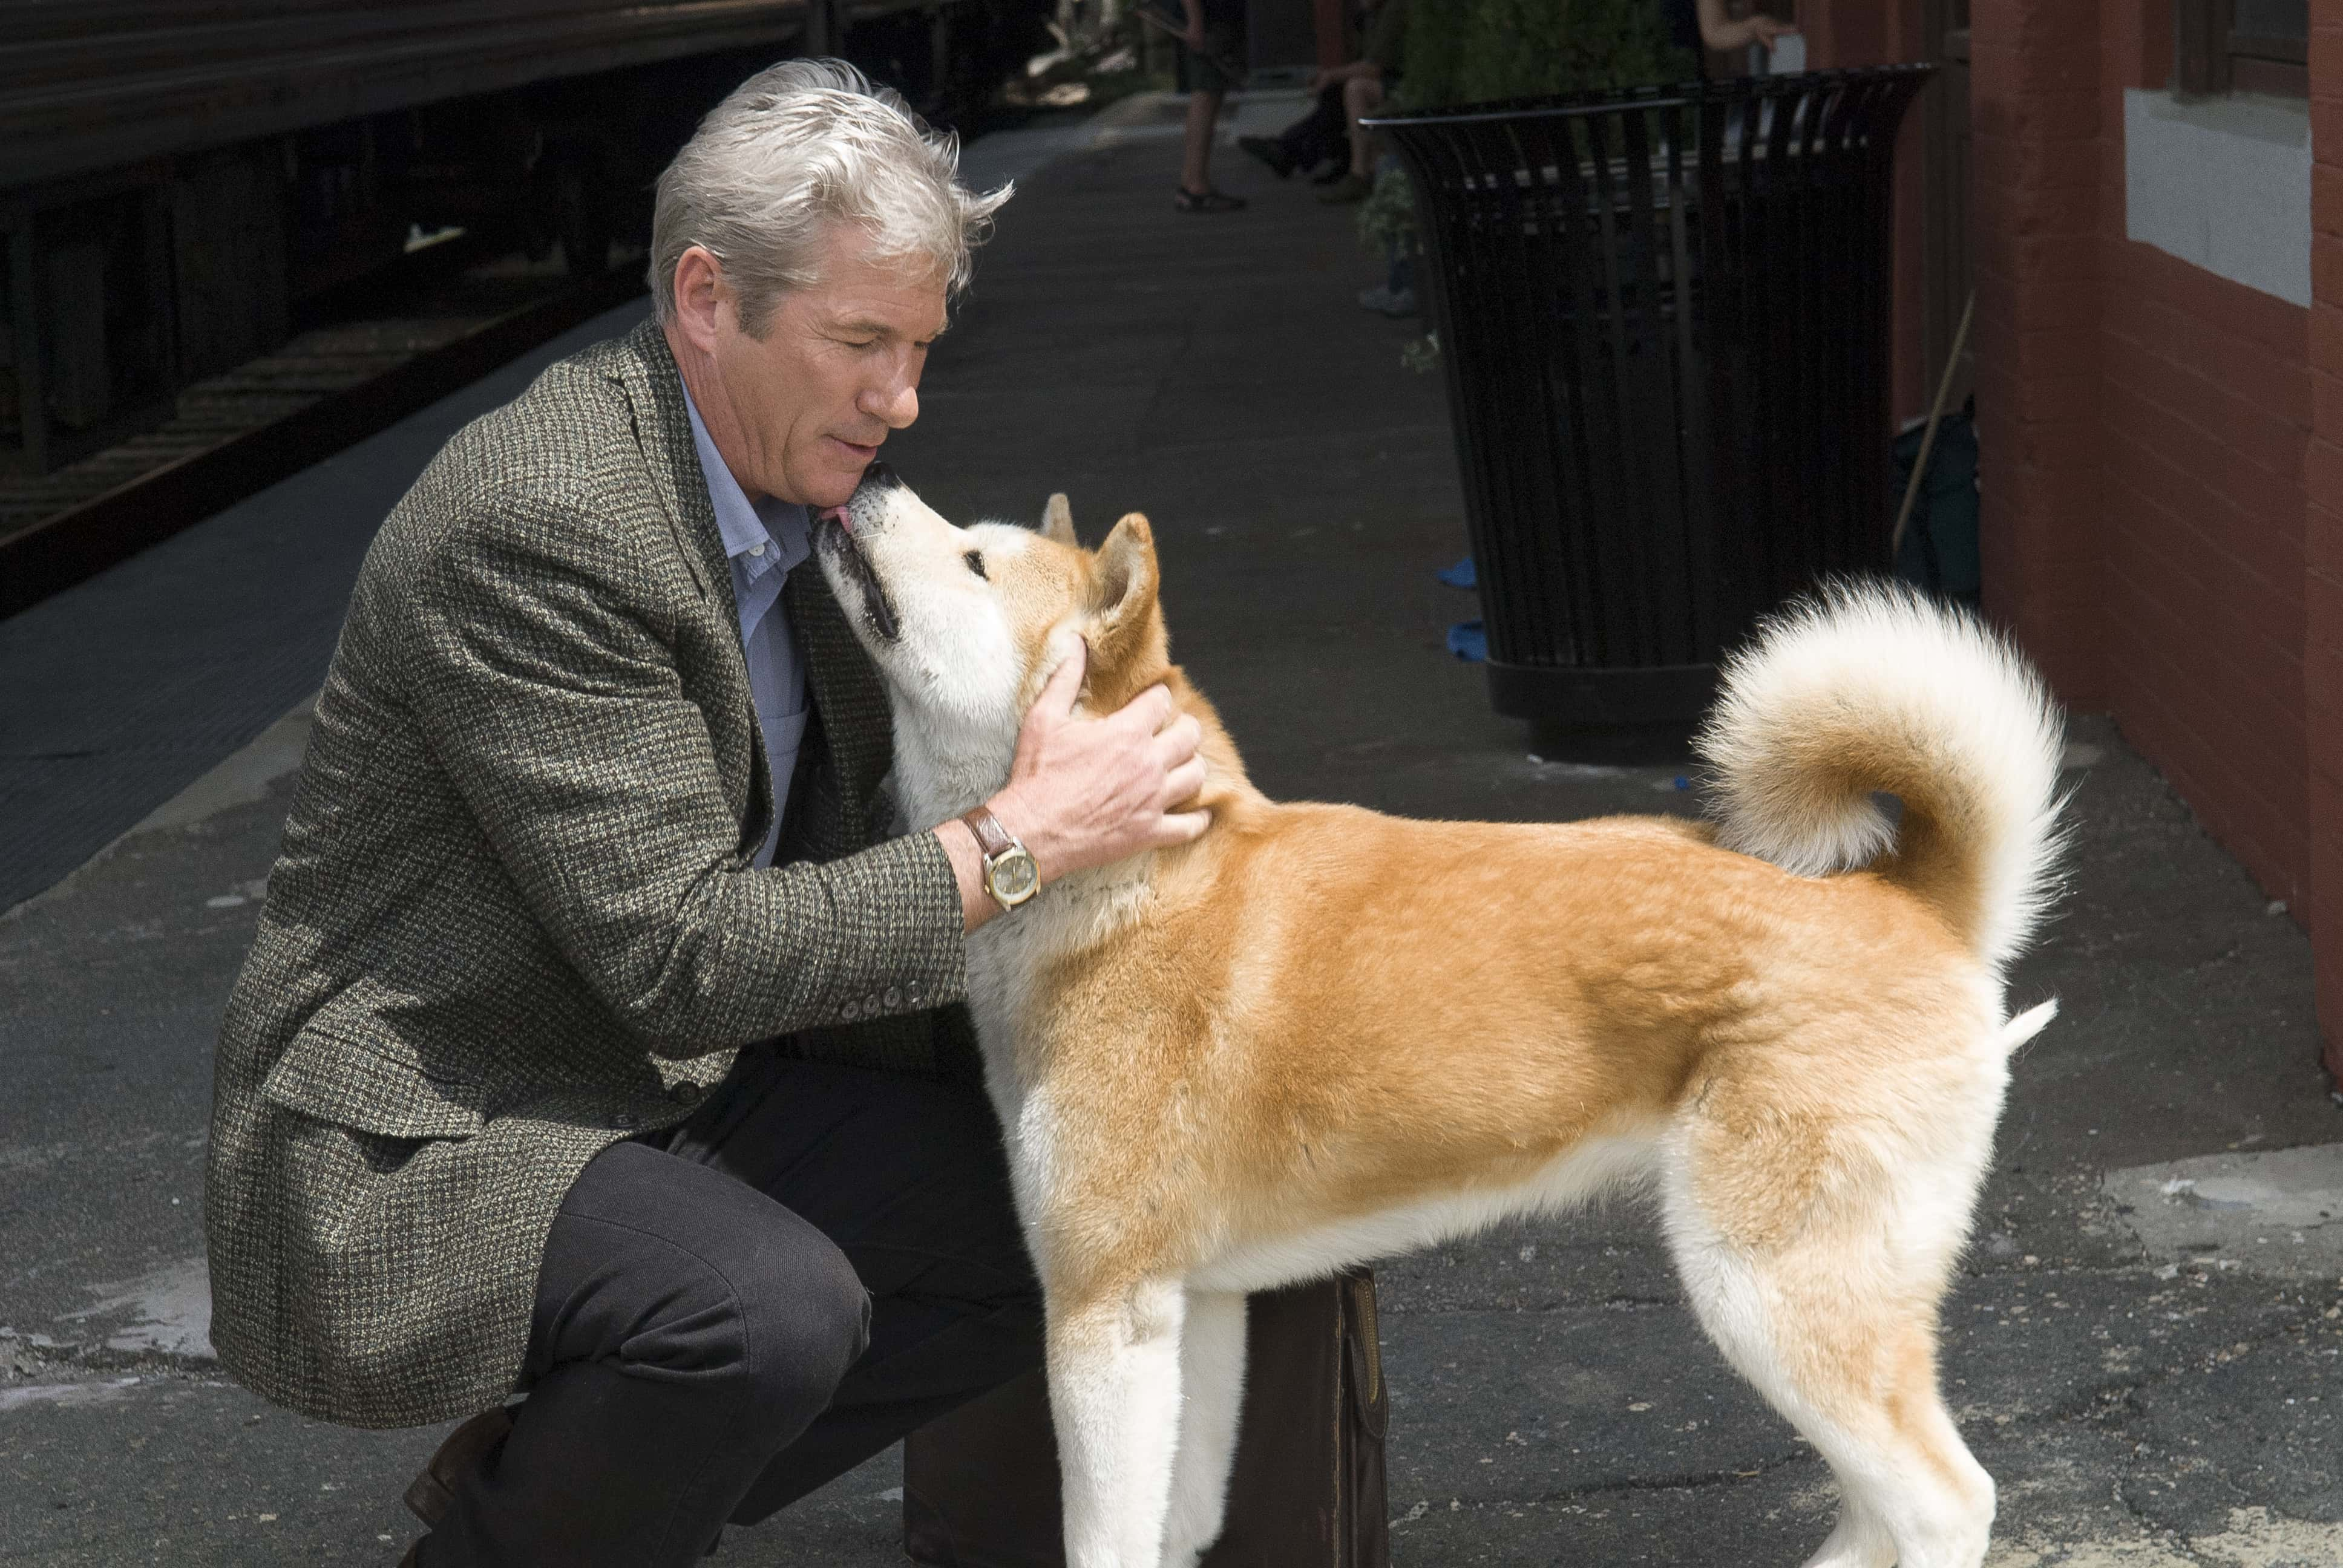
942	774
1009	957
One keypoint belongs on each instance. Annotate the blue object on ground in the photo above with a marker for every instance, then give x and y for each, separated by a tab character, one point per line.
1469	641
1461	575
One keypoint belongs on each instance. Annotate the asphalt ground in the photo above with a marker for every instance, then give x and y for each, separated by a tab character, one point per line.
2144	1345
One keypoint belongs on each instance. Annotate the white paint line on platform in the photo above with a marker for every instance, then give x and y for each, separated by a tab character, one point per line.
243	778
169	1312
65	1394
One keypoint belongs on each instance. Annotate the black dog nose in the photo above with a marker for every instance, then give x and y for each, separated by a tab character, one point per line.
879	475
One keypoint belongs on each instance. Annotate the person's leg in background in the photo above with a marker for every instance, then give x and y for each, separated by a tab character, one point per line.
1362	96
1309	141
1196	149
1210	56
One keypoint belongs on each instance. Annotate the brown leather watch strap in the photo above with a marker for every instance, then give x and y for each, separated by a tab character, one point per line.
990	835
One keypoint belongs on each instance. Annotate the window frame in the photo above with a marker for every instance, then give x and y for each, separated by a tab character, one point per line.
2210	56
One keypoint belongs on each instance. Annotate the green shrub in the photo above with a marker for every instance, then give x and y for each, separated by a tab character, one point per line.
1472	51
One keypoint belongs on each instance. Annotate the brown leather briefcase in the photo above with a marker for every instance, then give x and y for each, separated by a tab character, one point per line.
981	1485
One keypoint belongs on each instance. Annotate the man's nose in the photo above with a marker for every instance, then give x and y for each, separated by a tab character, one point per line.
897	406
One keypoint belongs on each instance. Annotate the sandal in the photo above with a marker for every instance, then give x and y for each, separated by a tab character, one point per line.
1185	200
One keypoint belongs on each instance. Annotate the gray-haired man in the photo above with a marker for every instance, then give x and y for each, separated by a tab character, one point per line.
590	1044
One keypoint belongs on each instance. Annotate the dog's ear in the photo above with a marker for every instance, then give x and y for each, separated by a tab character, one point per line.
1126	571
1125	626
1125	631
1057	520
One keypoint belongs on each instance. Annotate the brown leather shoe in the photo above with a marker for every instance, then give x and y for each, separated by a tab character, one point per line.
430	1494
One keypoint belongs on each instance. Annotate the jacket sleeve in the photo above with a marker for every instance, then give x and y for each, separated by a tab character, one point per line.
546	684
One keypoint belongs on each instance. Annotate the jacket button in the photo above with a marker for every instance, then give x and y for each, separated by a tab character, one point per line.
687	1092
624	1121
894	996
850	1012
912	990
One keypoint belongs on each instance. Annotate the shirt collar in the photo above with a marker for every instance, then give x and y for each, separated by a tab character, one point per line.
781	527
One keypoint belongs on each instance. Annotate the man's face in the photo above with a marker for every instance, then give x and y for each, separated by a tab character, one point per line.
800	412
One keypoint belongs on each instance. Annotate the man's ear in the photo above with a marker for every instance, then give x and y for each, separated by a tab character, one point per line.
699	293
1057	520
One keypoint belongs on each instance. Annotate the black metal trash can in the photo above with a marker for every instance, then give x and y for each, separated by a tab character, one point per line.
1664	318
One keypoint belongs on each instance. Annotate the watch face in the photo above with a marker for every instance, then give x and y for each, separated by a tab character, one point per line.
1012	878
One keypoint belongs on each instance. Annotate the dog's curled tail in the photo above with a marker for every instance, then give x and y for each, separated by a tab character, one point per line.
1869	688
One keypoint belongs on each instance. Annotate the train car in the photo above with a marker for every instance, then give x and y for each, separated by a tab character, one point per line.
183	182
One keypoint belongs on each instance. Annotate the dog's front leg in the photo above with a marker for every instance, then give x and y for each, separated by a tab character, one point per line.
1211	1380
1115	1398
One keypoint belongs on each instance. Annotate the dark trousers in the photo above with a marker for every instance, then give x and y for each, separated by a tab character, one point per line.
1323	133
819	1262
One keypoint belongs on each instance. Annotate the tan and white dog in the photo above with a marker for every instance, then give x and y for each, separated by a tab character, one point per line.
1318	1036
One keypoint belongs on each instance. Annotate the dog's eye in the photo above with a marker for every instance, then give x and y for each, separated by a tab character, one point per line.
975	559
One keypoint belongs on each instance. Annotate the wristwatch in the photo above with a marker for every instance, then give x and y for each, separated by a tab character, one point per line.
1010	874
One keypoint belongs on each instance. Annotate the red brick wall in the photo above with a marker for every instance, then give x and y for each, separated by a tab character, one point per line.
2148	433
2322	535
2161	449
2206	416
2036	247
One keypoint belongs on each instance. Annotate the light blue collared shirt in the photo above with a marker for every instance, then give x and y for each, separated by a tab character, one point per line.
764	539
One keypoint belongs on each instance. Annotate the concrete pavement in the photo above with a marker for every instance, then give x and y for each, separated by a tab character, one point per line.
2146	1347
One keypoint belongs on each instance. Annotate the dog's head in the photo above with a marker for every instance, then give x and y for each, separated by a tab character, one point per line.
967	624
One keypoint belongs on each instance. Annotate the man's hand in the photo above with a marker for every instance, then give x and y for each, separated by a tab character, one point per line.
1086	792
1721	33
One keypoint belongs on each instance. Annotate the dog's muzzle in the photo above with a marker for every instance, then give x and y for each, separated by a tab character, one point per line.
833	535
866	510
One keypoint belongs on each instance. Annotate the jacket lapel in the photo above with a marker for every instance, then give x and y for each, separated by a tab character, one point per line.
840	680
663	426
646	369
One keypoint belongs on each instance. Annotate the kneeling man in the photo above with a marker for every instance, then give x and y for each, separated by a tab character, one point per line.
600	1040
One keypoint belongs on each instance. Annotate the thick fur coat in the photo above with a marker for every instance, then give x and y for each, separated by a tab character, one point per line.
1319	1035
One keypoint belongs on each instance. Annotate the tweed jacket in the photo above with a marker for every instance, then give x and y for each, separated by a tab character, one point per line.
514	919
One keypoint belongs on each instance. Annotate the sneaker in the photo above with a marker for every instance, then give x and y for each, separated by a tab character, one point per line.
1399	304
1350	188
1270	151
